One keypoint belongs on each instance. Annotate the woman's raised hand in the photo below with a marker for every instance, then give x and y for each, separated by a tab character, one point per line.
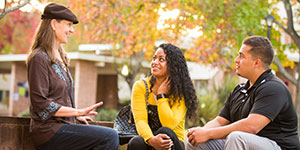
164	87
89	110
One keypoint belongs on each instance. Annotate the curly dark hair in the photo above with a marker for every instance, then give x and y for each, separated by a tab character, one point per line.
181	83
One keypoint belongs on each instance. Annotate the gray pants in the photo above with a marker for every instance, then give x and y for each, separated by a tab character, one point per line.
237	141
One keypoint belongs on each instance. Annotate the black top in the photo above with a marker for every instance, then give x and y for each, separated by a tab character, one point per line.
270	97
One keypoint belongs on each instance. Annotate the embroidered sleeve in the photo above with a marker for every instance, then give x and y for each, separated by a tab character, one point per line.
53	107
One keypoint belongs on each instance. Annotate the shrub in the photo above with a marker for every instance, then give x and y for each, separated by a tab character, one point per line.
123	103
25	114
208	109
211	103
229	83
106	114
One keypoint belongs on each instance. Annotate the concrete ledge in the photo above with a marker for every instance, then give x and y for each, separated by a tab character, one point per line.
102	123
14	133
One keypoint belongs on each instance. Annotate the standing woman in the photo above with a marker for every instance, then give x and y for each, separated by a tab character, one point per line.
172	91
52	109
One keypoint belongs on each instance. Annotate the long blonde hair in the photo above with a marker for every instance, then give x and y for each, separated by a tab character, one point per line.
44	41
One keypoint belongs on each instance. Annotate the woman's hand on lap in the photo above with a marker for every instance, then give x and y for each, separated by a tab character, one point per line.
160	142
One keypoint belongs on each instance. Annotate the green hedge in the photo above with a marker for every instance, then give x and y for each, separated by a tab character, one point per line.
211	103
106	114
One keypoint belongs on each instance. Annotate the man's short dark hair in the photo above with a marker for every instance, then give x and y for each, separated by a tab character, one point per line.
261	49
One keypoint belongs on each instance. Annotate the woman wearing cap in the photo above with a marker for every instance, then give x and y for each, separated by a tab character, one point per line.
52	109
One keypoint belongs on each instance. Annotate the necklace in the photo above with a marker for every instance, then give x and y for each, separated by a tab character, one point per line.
62	64
155	97
64	67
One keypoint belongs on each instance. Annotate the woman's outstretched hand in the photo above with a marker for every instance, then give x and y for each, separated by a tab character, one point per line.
65	111
89	110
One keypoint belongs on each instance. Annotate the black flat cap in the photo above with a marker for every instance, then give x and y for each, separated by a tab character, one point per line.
56	11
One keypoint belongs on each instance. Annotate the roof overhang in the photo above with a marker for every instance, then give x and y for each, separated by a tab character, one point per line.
99	59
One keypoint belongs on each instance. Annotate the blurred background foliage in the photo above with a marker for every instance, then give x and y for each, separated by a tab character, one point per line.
213	30
106	114
212	101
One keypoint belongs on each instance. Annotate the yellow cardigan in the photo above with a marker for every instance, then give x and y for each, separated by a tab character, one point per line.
171	115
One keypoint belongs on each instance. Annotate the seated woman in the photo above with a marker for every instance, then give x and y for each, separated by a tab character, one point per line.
172	91
53	113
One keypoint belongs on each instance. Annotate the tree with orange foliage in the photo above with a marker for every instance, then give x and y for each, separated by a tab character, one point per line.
17	31
129	25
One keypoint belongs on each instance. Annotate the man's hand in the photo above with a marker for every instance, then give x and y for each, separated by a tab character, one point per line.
198	135
161	142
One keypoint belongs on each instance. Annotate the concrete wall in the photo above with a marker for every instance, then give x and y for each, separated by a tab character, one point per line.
14	134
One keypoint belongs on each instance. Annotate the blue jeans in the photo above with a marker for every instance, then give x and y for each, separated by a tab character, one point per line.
82	137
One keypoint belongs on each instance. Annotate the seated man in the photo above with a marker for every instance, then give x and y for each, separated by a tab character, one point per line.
258	115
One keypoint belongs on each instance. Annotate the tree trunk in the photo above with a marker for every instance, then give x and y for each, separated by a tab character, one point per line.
11	9
297	105
130	81
135	65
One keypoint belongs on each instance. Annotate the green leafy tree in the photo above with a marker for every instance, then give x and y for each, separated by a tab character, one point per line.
223	24
226	23
211	102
